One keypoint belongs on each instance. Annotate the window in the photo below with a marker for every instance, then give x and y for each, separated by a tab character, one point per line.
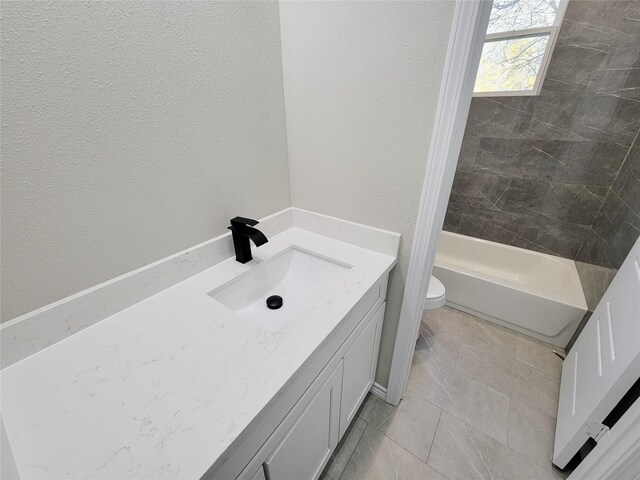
518	46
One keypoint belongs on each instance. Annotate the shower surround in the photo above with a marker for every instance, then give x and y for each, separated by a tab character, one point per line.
559	173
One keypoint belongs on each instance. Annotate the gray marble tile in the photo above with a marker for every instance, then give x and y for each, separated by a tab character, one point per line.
606	16
599	250
538	355
502	341
434	344
532	432
377	457
608	117
512	378
522	242
469	151
577	66
535	388
462	396
617	227
563	239
578	162
461	452
479	188
595	280
620	82
490	117
560	201
412	424
495	371
584	116
446	330
490	225
526	230
627	185
559	161
528	126
341	455
628	179
576	69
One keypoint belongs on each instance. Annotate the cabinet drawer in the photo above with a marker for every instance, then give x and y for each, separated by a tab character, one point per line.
306	447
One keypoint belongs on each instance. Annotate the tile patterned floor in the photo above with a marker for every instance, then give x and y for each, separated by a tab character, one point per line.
481	404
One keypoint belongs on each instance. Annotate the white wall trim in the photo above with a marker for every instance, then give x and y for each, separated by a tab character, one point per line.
466	40
378	390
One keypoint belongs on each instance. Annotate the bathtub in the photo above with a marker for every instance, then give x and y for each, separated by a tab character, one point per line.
534	293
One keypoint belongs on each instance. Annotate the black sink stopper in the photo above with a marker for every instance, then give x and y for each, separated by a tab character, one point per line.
274	302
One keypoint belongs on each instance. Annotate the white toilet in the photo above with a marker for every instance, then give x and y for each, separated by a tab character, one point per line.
436	296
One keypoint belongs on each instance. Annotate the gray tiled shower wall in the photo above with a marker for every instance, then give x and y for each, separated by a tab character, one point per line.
559	173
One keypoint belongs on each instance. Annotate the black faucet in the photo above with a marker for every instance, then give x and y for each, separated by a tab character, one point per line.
241	231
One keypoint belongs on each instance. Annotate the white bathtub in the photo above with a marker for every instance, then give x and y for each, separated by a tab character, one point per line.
534	293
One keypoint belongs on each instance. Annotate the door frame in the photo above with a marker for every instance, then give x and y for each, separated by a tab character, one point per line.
468	29
617	455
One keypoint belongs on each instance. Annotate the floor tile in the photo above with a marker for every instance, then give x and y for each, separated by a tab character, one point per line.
341	455
481	403
412	424
461	452
462	396
511	377
446	330
535	388
495	371
377	457
501	339
531	432
538	355
439	342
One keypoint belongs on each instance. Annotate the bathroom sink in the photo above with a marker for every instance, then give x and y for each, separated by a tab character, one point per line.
298	276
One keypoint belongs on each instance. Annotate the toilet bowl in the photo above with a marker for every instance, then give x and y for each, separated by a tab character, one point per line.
436	296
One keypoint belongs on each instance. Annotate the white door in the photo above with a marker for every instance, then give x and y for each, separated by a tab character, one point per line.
603	363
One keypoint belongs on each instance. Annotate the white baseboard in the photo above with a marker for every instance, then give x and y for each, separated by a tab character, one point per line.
379	391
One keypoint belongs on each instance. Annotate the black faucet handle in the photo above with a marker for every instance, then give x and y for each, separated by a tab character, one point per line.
238	221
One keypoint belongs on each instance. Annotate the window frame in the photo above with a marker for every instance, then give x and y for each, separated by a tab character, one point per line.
551	30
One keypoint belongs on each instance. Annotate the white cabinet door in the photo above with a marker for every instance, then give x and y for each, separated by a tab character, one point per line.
306	447
360	369
603	363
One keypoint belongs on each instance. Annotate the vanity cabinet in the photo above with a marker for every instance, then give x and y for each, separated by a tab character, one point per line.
302	443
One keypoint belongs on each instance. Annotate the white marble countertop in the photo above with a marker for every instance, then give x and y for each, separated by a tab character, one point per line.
162	388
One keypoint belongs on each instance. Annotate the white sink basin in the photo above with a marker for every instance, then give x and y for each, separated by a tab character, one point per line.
297	275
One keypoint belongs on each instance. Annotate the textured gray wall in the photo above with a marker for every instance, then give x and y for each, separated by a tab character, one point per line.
130	131
361	89
559	173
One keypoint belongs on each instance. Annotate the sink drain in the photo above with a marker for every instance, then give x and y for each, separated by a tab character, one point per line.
274	302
